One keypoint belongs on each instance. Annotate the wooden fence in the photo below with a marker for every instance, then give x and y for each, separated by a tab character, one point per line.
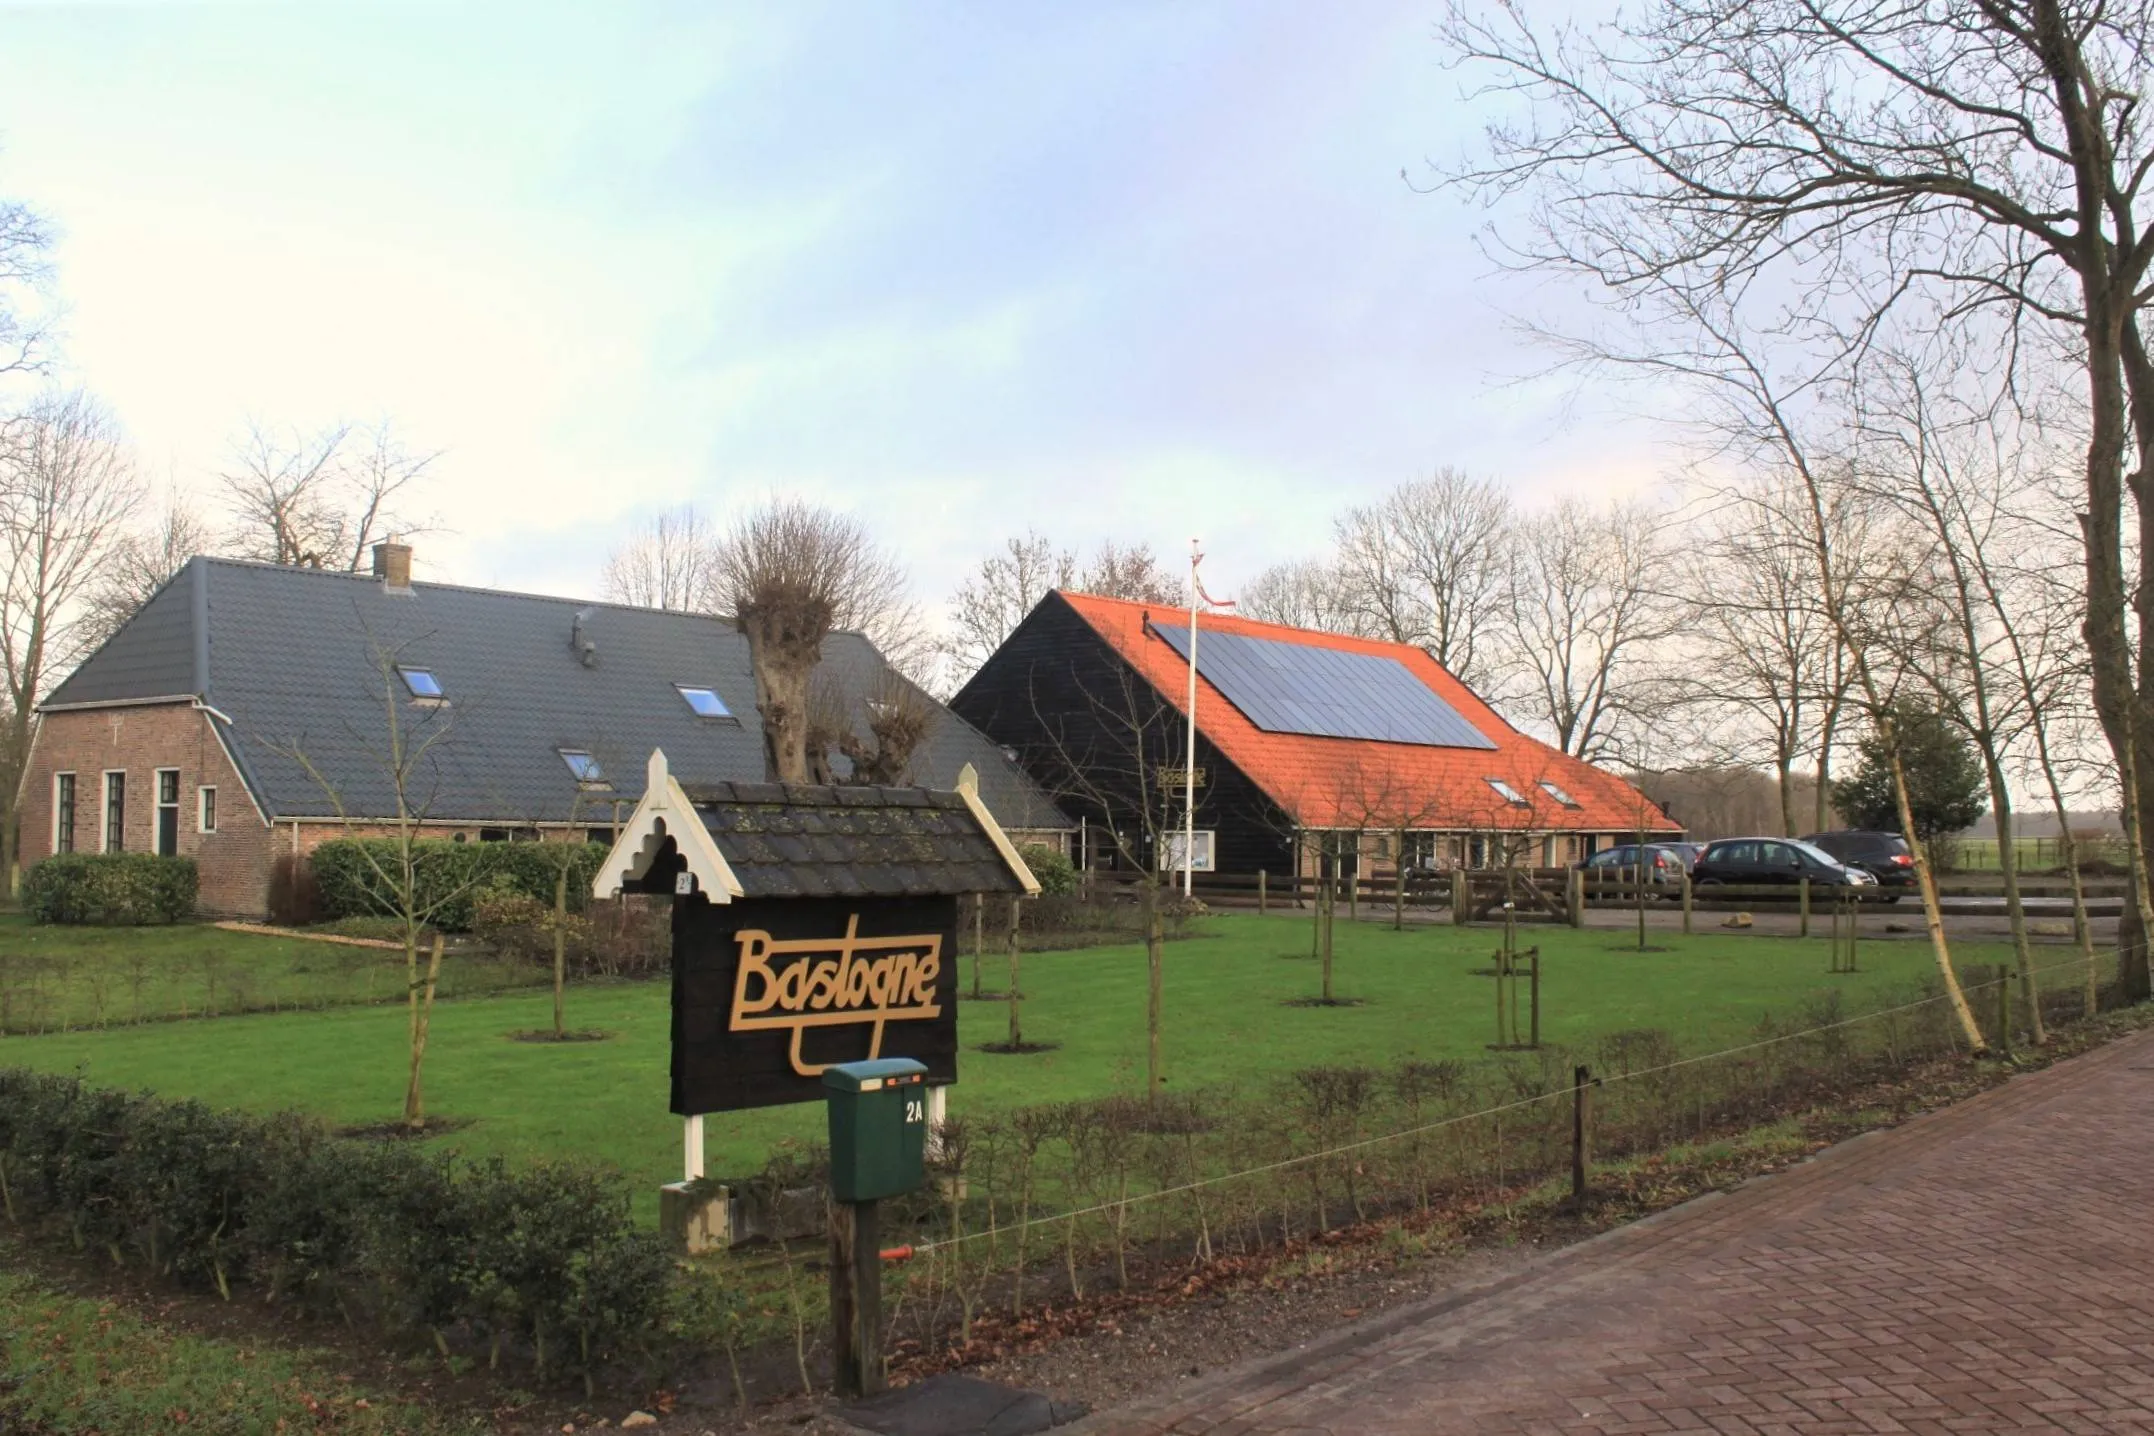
1561	894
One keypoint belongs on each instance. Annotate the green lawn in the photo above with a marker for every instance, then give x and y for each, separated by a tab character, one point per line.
1226	1023
72	1365
54	978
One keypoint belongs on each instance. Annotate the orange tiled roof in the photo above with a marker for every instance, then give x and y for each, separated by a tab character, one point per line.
1361	783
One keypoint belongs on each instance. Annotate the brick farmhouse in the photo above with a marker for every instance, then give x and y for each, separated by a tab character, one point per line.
249	712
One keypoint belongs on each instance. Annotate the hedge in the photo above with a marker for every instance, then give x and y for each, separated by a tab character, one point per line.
448	876
1056	873
110	889
544	1258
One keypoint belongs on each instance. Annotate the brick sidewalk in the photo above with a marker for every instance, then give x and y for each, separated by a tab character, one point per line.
1986	1268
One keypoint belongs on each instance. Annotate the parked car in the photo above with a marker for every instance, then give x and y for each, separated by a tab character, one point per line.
1884	856
1666	865
1687	851
1761	861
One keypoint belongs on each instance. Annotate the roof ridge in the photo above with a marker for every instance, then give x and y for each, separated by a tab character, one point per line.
1151	609
227	561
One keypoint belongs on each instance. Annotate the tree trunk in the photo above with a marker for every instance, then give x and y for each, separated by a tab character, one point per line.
784	664
1316	903
422	1015
1398	883
1330	909
1932	917
1828	724
1017	1027
2000	799
1155	944
560	948
979	939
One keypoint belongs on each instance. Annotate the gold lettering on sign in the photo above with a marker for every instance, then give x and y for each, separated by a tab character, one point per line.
833	982
1175	779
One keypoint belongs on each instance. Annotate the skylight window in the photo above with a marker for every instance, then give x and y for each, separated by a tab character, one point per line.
585	767
1558	794
705	701
1510	794
421	682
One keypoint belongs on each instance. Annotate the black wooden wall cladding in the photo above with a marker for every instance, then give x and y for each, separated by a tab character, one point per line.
821	973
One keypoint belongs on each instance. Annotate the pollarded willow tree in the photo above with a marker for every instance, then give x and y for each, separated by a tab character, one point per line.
1824	170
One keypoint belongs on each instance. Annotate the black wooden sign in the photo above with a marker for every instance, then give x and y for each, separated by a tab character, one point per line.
767	992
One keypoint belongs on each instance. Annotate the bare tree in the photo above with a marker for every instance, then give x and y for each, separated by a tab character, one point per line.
1427	566
67	485
995	597
1824	169
381	476
1130	571
669	562
790	573
899	719
142	561
1304	593
1113	760
411	881
1767	659
24	241
1583	602
320	500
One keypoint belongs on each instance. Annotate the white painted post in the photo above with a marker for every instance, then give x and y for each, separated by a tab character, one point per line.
692	1147
1189	769
938	1104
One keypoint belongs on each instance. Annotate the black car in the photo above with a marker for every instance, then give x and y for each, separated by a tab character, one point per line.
1773	860
1883	856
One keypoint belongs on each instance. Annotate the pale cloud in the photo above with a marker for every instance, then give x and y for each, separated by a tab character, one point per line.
1107	271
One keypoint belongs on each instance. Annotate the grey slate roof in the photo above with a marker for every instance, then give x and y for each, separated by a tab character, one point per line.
293	657
802	840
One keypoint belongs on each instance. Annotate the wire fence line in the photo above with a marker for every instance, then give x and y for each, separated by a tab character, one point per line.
1123	1204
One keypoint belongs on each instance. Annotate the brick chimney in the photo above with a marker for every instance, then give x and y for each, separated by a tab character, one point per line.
392	564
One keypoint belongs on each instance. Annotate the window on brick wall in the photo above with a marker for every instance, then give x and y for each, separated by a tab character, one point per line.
205	817
167	833
115	812
63	812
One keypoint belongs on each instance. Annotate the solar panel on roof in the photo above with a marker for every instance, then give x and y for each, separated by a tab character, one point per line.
1301	688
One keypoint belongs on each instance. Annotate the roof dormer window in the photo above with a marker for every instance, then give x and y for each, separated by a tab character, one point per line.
1509	793
705	701
423	684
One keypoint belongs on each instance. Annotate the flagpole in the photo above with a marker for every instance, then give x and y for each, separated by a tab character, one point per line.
1189	765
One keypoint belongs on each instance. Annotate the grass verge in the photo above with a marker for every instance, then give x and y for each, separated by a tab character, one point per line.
72	1365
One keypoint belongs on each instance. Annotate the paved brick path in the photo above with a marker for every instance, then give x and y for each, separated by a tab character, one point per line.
1987	1268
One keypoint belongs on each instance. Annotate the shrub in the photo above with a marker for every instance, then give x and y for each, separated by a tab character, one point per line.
545	1255
110	889
1057	874
448	876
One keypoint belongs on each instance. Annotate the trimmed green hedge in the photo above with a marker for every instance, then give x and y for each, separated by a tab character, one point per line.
357	877
1057	874
543	1259
110	889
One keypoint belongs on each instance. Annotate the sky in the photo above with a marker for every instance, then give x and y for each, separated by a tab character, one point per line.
1135	272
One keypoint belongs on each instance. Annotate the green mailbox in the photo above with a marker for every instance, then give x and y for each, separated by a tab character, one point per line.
878	1127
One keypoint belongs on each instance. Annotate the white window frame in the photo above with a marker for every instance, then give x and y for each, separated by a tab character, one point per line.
104	811
205	808
1170	850
74	814
158	805
725	709
1511	795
